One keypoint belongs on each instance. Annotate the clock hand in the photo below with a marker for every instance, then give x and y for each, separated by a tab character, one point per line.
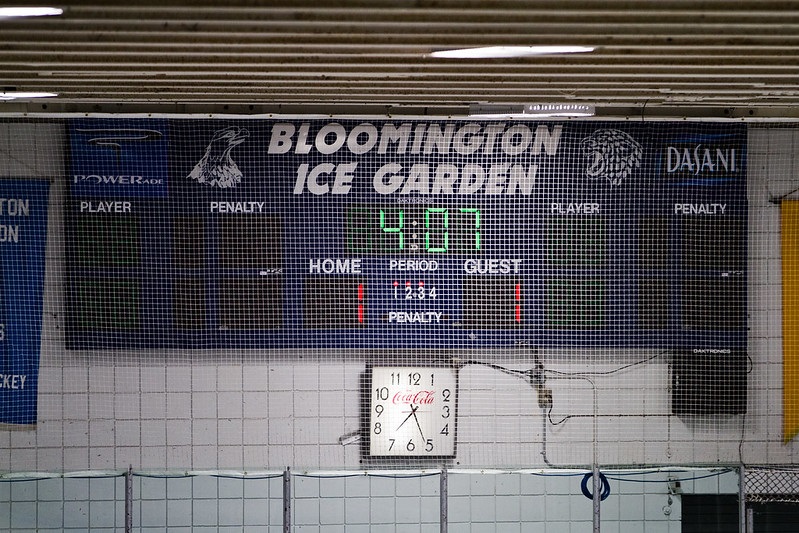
412	414
417	423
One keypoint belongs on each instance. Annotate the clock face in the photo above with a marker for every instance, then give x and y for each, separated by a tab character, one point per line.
412	411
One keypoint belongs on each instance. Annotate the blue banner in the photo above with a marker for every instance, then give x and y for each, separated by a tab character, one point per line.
23	234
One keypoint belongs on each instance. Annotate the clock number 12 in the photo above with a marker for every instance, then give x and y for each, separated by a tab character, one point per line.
414	379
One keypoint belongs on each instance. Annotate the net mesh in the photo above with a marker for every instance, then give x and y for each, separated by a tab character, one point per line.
218	293
772	485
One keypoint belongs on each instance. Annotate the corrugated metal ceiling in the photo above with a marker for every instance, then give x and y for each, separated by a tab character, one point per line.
711	57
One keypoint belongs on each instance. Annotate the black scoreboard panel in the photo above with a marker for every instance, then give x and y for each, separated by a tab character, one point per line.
653	303
654	242
189	303
250	242
577	241
492	302
108	304
189	242
576	303
712	243
247	303
300	254
107	241
334	302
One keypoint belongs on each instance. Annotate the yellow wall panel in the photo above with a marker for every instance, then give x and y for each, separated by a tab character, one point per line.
790	319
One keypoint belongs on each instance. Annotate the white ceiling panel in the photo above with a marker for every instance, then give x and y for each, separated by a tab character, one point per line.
712	57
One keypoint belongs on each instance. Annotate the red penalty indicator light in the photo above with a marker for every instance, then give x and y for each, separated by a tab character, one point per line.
518	305
360	303
421	283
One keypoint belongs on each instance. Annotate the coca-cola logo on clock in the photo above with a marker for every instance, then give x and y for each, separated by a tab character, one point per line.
424	397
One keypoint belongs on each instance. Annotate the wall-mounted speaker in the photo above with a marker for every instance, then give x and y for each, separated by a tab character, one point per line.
709	382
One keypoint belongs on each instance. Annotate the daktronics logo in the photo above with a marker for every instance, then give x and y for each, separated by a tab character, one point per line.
422	397
104	179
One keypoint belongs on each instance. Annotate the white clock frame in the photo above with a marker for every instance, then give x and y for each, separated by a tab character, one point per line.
412	411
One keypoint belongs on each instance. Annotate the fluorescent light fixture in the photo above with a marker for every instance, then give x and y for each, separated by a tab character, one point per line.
531	110
509	51
7	12
559	110
24	96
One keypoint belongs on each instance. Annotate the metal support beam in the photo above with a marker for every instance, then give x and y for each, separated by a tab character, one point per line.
597	497
287	500
129	500
443	499
742	499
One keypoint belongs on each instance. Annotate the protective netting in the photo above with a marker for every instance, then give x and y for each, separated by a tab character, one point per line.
213	293
770	484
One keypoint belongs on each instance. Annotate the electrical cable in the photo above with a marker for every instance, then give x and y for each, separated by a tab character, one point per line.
617	477
620	415
607	372
510	371
778	199
531	373
603	481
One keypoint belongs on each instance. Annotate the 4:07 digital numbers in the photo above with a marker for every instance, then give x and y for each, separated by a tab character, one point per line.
414	229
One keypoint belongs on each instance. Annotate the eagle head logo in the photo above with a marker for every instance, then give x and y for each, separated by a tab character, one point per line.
611	154
217	168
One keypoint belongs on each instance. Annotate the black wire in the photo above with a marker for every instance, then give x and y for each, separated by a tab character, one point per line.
567	417
246	477
694	478
608	372
362	475
522	374
176	475
530	374
564	419
779	199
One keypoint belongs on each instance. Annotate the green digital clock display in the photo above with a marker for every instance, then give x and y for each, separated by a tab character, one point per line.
433	230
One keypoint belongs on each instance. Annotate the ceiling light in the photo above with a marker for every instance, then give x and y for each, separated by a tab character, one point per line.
7	12
531	110
559	110
509	51
24	96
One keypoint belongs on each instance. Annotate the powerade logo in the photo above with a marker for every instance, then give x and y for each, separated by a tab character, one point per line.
116	179
704	160
118	158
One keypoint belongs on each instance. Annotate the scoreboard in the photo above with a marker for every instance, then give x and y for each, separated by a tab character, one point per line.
190	233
